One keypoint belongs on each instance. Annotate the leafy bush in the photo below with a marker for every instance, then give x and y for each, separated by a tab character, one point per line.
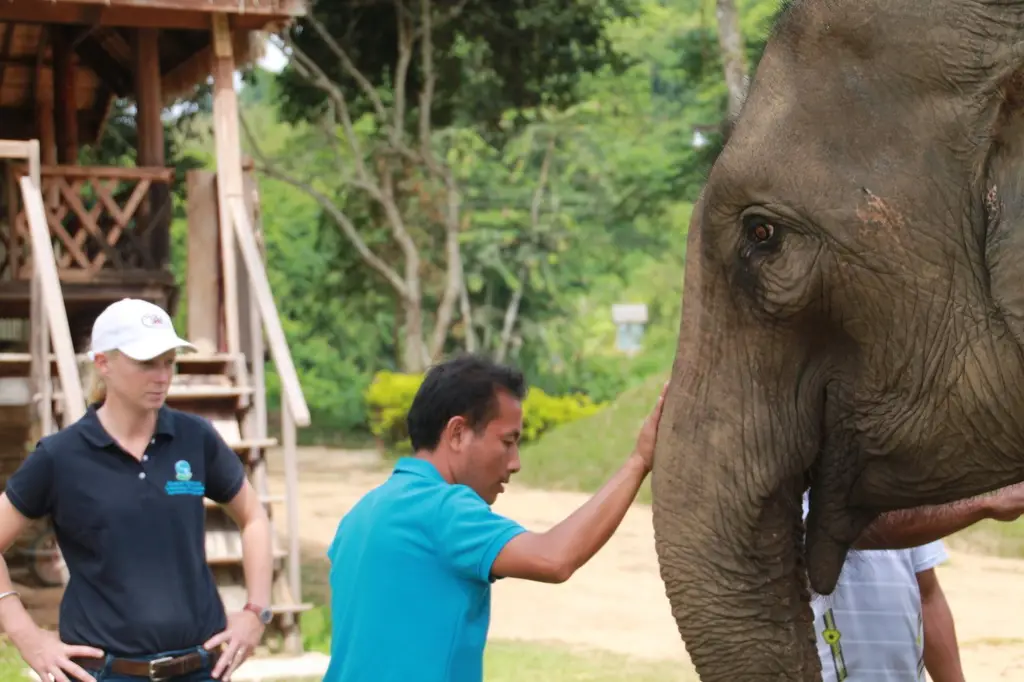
390	396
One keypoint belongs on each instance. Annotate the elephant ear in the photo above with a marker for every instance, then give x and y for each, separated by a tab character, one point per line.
1002	202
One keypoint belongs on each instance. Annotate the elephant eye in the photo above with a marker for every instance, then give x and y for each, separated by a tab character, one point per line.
761	231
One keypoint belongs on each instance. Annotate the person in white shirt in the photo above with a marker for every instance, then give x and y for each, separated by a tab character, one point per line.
888	619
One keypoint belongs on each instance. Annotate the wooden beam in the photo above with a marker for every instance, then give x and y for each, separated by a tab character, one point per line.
165	175
8	38
42	249
292	8
202	270
122	16
14	149
229	169
291	389
65	96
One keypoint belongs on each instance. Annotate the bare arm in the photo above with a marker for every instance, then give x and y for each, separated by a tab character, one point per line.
42	650
941	653
247	511
908	528
14	619
919	526
555	555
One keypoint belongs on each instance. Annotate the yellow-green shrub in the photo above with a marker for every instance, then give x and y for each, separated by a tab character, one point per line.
390	396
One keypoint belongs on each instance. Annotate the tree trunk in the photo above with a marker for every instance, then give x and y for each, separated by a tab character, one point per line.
414	350
730	41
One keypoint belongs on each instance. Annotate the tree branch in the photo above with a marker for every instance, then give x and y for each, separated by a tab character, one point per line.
406	41
339	217
454	282
511	315
542	181
312	72
382	190
512	311
349	67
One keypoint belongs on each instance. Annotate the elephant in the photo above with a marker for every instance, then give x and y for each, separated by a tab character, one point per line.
853	315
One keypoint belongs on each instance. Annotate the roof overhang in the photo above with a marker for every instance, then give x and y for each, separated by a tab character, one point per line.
184	14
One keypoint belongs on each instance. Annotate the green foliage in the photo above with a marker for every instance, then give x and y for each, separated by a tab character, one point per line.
512	660
390	396
582	455
490	58
388	399
608	224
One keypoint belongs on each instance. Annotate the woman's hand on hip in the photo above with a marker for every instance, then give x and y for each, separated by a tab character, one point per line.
50	658
240	638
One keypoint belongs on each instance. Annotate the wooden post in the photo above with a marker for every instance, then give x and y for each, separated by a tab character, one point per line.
202	266
229	169
291	482
39	328
150	152
65	97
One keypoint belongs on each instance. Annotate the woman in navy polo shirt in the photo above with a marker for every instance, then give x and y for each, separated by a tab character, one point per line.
124	486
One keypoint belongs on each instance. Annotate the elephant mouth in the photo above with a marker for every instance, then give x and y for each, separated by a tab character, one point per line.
831	527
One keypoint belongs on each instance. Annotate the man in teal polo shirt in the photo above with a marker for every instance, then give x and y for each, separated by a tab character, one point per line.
413	561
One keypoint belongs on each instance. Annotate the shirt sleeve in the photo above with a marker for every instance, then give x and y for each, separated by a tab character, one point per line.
225	472
469	535
30	488
929	556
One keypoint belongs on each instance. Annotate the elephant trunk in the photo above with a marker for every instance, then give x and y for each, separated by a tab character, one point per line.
727	485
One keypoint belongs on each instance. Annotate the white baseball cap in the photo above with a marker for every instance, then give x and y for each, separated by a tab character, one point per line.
137	328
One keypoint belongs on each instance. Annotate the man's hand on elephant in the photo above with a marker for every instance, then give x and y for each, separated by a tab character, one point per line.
646	441
1005	504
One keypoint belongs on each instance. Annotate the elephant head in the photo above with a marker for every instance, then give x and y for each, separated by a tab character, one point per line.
853	315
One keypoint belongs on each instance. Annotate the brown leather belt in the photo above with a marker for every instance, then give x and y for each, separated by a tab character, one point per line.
155	670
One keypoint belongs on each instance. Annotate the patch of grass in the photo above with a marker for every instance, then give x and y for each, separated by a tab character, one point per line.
515	660
315	625
995	538
512	661
583	454
11	666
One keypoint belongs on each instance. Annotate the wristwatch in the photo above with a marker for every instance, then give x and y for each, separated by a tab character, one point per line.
264	614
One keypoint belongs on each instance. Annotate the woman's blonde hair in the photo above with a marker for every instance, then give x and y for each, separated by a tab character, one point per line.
96	391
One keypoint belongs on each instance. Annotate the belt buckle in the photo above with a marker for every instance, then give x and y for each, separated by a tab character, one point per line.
152	668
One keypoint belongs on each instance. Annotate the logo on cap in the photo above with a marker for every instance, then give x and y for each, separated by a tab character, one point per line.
152	320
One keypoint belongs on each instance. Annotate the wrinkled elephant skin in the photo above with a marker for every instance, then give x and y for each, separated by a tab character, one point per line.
852	316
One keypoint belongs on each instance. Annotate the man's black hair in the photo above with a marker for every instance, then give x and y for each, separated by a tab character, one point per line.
466	386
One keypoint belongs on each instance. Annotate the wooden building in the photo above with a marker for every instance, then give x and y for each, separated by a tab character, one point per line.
74	238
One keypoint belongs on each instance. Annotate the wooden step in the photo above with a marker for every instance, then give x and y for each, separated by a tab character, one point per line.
252	443
265	499
234	597
206	391
224	544
204	363
20	364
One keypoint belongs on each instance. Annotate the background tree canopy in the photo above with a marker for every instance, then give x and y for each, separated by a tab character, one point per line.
553	178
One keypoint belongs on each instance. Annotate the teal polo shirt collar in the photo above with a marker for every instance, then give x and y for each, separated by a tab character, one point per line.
418	466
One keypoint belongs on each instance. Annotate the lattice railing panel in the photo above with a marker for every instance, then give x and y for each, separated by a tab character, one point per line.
99	219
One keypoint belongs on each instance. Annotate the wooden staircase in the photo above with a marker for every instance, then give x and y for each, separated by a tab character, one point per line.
228	389
204	385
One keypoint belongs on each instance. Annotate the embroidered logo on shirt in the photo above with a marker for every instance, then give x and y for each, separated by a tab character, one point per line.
182	470
184	485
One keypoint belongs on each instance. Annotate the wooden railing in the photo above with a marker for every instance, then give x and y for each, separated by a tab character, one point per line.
48	316
294	411
98	219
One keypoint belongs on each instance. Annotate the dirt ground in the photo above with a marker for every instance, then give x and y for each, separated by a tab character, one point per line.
617	601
